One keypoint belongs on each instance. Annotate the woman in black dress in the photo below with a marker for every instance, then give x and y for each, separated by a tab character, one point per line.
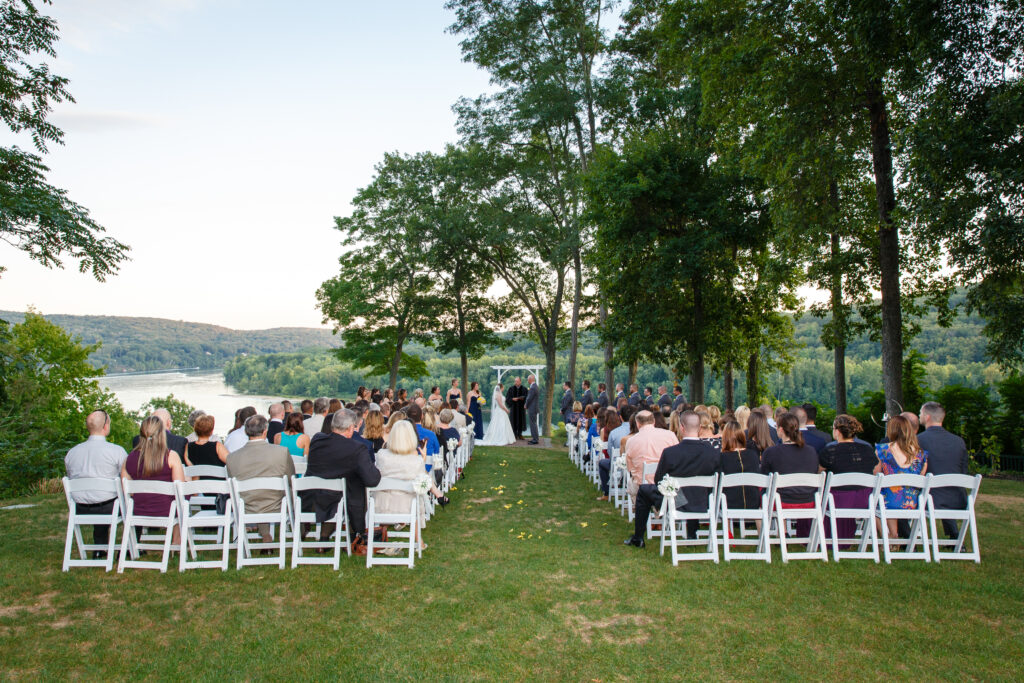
736	459
847	455
792	456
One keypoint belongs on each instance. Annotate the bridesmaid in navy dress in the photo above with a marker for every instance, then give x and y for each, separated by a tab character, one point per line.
474	410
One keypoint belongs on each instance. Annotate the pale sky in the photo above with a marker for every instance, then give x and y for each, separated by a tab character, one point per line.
220	138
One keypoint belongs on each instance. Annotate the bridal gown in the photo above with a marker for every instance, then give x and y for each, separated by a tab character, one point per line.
499	429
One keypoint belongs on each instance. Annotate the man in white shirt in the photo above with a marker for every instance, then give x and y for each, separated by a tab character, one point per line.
95	457
312	426
237	438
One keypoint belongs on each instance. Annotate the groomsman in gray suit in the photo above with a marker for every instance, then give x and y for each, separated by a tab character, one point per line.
567	401
602	396
532	408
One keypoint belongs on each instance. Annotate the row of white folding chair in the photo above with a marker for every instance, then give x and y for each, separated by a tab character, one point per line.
110	489
773	515
408	536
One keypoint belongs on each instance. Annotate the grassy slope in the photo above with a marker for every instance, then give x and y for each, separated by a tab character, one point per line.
484	603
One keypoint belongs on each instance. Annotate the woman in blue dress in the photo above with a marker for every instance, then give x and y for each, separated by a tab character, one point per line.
475	411
902	455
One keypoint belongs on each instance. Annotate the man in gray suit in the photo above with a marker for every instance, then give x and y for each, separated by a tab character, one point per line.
588	395
947	454
532	408
258	458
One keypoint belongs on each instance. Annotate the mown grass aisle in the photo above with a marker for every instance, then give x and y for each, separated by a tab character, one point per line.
525	578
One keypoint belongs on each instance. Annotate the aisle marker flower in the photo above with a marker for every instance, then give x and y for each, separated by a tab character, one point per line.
666	487
422	485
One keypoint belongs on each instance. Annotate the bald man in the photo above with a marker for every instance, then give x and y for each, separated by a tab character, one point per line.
95	458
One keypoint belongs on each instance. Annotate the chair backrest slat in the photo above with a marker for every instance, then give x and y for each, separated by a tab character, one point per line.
102	485
861	479
709	481
133	486
206	471
746	479
799	479
392	484
204	486
261	483
964	481
317	483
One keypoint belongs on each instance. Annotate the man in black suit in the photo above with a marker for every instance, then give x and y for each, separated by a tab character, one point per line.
588	395
307	409
174	442
810	438
276	424
602	395
335	456
619	391
567	400
947	454
690	458
811	411
663	398
648	398
634	395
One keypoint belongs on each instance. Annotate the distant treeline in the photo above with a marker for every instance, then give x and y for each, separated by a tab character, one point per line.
145	344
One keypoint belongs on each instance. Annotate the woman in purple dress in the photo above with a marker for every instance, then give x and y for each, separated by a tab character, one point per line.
153	461
847	455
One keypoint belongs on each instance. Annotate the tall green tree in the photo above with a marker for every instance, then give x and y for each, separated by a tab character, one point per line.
543	55
37	217
383	296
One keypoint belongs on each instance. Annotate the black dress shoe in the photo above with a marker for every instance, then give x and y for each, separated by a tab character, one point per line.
533	442
635	542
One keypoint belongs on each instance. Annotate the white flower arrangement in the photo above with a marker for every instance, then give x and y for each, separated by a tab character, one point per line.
666	487
599	445
620	462
452	445
422	485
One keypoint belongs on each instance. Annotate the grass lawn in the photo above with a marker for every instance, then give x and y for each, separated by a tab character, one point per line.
526	577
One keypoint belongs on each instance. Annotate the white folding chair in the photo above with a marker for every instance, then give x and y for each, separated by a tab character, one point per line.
204	501
278	520
571	445
109	489
649	469
675	533
815	540
300	518
966	517
760	515
130	542
917	518
193	542
407	537
616	489
300	465
865	516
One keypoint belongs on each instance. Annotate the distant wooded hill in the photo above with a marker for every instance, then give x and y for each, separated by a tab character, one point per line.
953	355
142	344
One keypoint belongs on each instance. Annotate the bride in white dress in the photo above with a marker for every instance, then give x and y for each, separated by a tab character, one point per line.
499	429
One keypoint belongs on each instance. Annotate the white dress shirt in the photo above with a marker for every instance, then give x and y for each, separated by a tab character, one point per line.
236	440
95	457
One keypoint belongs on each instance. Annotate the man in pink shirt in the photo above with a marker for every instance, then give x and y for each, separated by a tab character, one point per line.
645	446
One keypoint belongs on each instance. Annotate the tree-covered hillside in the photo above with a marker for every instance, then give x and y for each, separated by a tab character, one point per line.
141	344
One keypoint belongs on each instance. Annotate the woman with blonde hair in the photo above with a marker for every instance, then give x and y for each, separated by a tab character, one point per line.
373	429
716	417
741	416
153	461
707	429
429	420
902	455
403	460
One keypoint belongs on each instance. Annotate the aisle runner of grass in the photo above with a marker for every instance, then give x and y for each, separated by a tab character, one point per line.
525	578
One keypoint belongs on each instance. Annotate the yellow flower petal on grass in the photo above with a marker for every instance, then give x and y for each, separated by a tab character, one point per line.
506	506
547	531
583	524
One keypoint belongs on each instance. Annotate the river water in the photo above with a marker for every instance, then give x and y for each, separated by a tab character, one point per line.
203	389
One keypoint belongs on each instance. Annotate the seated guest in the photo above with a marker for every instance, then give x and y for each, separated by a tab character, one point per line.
587	417
276	424
373	429
758	435
645	447
575	415
152	460
257	458
812	435
192	417
96	458
736	459
609	422
360	409
306	408
415	414
237	437
846	455
333	406
691	457
287	405
446	431
294	437
741	415
614	439
174	442
459	416
205	451
385	409
312	426
401	459
947	454
624	441
707	429
716	416
902	455
792	456
338	456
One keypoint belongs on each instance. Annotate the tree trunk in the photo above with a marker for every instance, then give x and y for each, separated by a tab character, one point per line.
465	374
544	414
577	263
888	250
609	355
462	339
753	400
730	399
395	362
632	375
839	322
697	345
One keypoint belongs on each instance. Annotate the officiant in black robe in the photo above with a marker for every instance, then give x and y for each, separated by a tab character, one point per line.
515	399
